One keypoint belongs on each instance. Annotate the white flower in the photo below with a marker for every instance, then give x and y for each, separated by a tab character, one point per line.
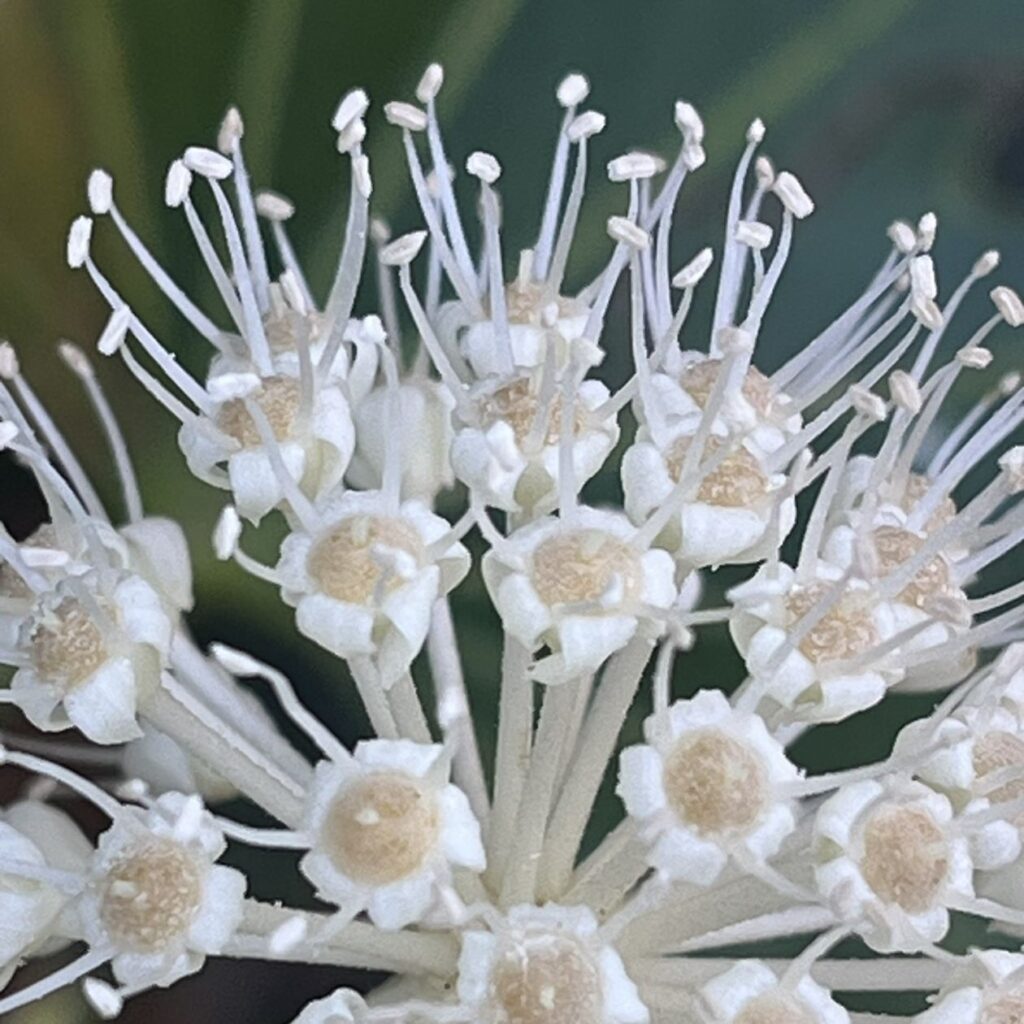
44	553
888	861
750	993
156	898
581	587
755	409
987	988
425	416
509	456
95	649
537	319
977	745
709	783
827	675
931	604
546	965
315	439
365	582
901	491
388	829
725	516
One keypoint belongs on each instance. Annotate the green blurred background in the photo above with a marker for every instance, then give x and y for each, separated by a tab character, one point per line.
885	108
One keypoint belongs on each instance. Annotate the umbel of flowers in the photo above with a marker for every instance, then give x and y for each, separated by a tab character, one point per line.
736	889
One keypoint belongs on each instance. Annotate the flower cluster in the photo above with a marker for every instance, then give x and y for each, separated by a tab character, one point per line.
470	886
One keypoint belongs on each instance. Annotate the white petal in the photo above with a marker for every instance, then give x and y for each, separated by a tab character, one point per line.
415	759
728	993
292	564
622	1004
522	612
842	696
161	547
961	1007
645	480
640	781
221	910
839	814
104	706
394	655
683	856
344	629
40	701
409	607
659	579
144	970
253	483
705	708
404	903
585	642
475	962
765	841
332	885
460	831
142	614
714	535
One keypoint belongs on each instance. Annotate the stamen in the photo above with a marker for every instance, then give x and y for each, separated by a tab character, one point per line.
239	663
230	144
572	91
300	504
188	309
487	169
733	253
56	980
55	439
255	335
342	297
82	786
445	193
580	131
80	365
463	284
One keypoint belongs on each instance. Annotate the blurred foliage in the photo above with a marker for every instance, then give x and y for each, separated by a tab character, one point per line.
885	108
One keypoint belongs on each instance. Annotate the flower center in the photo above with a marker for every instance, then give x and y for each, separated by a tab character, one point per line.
906	857
527	303
280	328
737	481
916	487
714	782
993	752
151	896
845	631
894	547
345	563
1007	1009
586	565
11	583
774	1008
546	979
517	405
67	645
698	378
382	828
278	398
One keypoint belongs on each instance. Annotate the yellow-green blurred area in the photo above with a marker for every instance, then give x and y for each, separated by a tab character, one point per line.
885	109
